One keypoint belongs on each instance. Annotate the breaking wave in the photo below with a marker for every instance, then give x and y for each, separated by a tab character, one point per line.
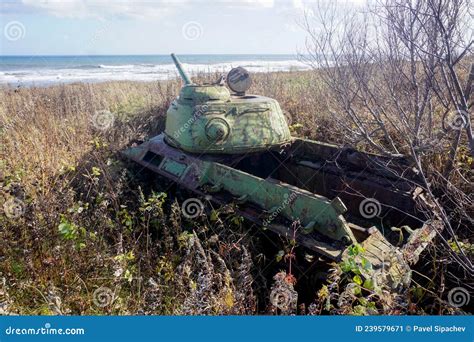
135	72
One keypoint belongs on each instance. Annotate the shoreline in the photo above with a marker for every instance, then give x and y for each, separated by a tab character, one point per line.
173	78
23	71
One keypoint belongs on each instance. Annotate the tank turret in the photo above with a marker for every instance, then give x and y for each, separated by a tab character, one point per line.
210	119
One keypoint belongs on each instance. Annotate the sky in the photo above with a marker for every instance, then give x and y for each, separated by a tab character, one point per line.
107	27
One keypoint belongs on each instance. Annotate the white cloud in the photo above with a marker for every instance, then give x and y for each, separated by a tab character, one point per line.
130	8
103	8
298	4
292	27
260	3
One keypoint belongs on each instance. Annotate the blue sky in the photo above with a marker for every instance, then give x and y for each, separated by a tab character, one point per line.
71	27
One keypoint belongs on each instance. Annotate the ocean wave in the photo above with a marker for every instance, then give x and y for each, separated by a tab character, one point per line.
126	66
86	66
138	72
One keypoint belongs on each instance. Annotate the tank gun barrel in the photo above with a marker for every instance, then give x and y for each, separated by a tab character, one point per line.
181	71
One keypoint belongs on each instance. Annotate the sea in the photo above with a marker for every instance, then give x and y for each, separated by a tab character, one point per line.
46	70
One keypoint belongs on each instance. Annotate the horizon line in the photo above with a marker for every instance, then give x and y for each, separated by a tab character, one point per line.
158	54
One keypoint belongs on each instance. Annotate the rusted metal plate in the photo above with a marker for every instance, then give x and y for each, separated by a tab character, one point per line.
420	239
353	177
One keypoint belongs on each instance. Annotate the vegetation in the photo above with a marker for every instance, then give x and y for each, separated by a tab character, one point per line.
401	74
86	232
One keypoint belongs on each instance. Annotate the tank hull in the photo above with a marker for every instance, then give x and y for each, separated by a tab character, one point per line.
321	186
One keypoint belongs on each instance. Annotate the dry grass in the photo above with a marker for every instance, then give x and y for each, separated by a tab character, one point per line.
92	224
93	229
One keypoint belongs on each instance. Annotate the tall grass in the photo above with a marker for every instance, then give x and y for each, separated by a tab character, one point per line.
95	236
91	229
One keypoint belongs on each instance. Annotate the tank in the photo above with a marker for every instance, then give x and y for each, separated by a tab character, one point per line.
232	147
210	119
